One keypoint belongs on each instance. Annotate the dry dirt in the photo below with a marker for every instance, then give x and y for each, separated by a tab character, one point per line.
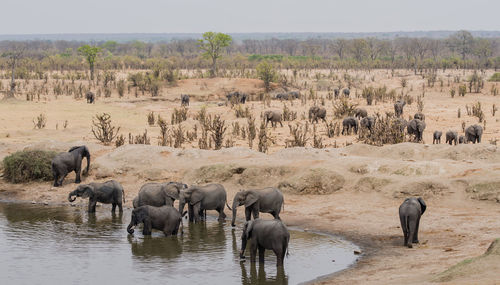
353	191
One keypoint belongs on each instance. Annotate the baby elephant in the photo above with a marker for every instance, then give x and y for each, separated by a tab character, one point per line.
451	137
265	234
436	137
109	192
409	214
165	218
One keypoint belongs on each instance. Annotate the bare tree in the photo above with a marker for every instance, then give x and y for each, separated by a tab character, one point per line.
14	55
462	42
340	47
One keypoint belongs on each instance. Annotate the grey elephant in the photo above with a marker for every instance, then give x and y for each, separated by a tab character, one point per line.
416	127
451	137
400	124
267	200
202	198
409	214
265	234
398	108
294	94
316	113
158	194
90	96
473	134
436	137
237	97
419	116
274	117
360	113
66	162
166	219
346	92
336	93
109	192
348	124
184	100
368	123
462	139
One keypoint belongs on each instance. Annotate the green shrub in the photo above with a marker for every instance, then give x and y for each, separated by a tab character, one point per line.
24	166
495	77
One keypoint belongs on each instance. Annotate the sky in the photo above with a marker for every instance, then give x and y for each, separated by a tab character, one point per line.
237	16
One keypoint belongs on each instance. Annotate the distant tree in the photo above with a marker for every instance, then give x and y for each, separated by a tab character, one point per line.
90	53
435	47
340	47
483	48
14	55
462	42
359	48
374	47
267	73
212	45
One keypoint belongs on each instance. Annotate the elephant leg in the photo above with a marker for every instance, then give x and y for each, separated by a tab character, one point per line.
276	215
415	237
148	227
190	212
77	172
120	207
113	208
196	210
281	124
248	213
255	212
253	251
412	227
280	256
222	215
92	205
262	250
405	231
61	178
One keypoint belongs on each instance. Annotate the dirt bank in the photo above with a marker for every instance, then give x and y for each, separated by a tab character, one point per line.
353	191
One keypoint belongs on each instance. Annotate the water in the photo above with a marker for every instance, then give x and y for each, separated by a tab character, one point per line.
66	245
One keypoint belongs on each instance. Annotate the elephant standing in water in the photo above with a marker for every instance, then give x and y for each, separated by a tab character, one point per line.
265	234
267	200
158	194
409	214
165	218
65	162
202	198
109	192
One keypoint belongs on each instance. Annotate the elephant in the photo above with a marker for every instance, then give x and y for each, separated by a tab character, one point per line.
401	124
237	97
346	92
267	200
410	212
90	96
368	123
398	108
65	162
451	137
360	113
416	127
316	113
184	100
473	134
202	198
282	96
164	218
419	116
348	124
462	139
436	137
293	94
336	91
109	192
265	234
158	194
274	117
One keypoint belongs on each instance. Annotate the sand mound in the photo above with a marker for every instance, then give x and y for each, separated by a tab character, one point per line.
485	191
314	181
466	271
425	189
257	176
370	184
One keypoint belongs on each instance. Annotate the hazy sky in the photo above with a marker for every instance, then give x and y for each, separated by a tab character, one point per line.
185	16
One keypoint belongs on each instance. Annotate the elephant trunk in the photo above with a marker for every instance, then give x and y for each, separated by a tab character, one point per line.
235	205
243	246
181	207
130	228
70	199
88	163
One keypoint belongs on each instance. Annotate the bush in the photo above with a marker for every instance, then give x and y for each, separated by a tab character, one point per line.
25	166
495	77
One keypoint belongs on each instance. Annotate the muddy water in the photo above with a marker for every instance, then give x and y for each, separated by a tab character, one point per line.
65	245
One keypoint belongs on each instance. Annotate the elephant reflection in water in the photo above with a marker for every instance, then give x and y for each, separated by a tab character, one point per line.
156	247
105	222
206	235
260	276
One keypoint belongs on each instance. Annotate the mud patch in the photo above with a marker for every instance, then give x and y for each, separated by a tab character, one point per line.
315	181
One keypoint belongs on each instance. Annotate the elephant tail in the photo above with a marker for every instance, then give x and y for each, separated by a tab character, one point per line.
283	205
123	195
285	246
228	206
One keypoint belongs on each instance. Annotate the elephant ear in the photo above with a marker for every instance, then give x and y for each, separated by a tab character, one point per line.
88	191
172	191
251	198
422	204
196	197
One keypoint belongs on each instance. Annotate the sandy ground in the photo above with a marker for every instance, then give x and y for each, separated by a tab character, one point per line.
353	191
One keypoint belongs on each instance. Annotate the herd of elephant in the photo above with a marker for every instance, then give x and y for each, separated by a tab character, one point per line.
154	207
